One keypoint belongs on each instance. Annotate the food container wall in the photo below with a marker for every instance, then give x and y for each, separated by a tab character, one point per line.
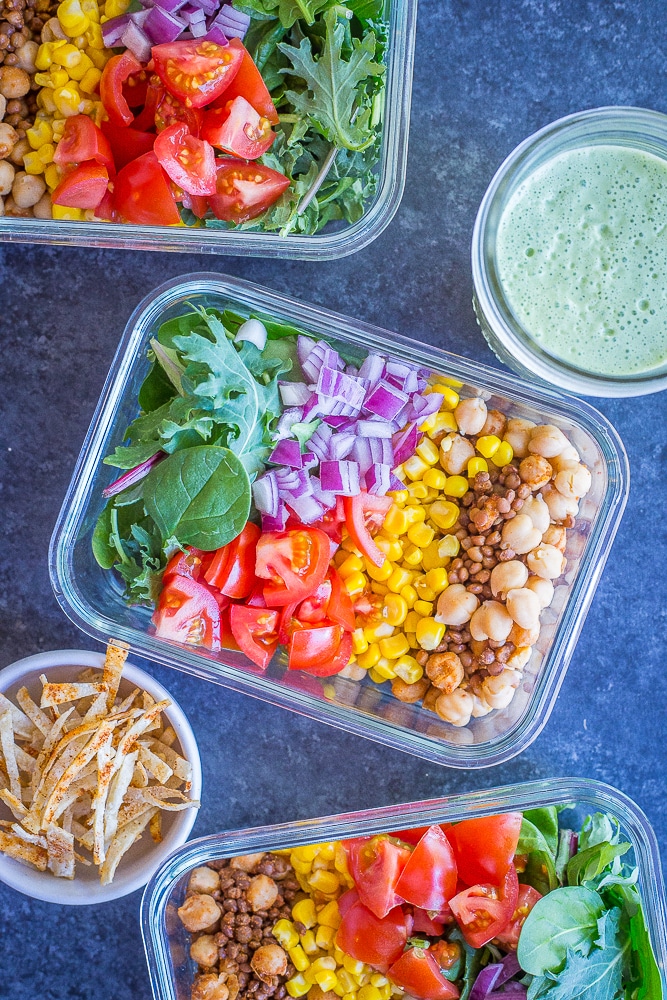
166	940
336	240
91	597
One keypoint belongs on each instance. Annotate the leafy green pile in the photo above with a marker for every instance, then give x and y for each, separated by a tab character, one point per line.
208	406
587	937
323	64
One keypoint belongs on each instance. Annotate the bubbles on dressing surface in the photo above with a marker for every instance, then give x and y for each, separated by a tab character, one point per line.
581	253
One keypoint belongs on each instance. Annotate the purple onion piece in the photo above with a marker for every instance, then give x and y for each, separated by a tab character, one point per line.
294	393
300	487
277	523
339	422
485	982
265	494
510	964
319	440
287	452
133	476
372	368
137	41
385	400
287	479
325	497
405	443
112	30
171	6
217	35
373	428
363	454
423	406
199	29
163	25
291	416
378	479
234	23
340	477
340	446
310	460
513	991
395	484
306	508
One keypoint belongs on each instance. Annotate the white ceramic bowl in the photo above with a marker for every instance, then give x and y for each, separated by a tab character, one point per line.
145	856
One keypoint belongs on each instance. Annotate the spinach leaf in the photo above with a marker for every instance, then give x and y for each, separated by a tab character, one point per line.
540	871
156	389
546	821
600	828
567	846
200	495
647	974
104	551
564	920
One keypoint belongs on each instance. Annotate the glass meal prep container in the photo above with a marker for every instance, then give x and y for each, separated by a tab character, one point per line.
91	597
336	240
167	942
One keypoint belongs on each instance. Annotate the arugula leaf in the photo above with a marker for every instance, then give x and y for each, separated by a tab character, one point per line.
104	551
125	537
592	861
647	977
540	871
333	93
567	846
600	828
200	495
156	389
290	11
565	919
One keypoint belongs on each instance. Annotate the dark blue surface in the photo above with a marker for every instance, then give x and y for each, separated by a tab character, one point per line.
486	76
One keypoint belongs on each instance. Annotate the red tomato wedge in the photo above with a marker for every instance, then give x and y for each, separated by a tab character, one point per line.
429	878
188	161
295	562
331	601
114	75
196	71
433	926
84	187
105	210
321	650
232	569
191	563
418	972
82	140
248	83
188	612
170	111
237	129
145	120
142	193
245	190
375	865
255	631
509	937
134	89
485	847
364	511
126	144
411	836
484	911
378	941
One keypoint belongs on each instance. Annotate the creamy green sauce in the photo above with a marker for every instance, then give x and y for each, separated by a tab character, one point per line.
582	258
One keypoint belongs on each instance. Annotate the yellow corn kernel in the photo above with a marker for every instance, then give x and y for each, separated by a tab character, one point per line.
355	583
376	677
286	934
488	445
353	965
503	455
94	39
391	547
379	588
423	609
399	578
359	641
40	133
44	56
427	426
99	58
324	937
378	980
410	623
84	65
417	490
413	555
306	853
351	995
450	399
416	510
409	595
347	981
415	467
384	669
444	514
326	881
427	451
394	646
66	56
67	100
351	564
32	163
72	18
381	630
430	633
399	496
297	986
476	465
52	177
91	10
61	212
436	579
379	573
444	424
329	915
435	479
456	486
112	8
349	545
46	153
298	957
412	639
327	963
304	913
420	534
368	659
90	80
394	610
326	981
309	945
407	668
431	558
449	546
369	992
386	991
396	522
425	592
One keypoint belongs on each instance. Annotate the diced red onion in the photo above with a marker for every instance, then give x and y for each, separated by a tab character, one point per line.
291	416
265	494
495	975
304	345
277	522
321	355
385	400
253	330
378	479
217	35
132	476
325	497
112	30
339	422
362	453
372	368
302	487
319	440
307	508
340	477
423	406
373	428
310	460
163	26
287	452
287	479
294	393
486	980
340	446
382	451
311	409
137	41
233	22
405	443
171	6
395	484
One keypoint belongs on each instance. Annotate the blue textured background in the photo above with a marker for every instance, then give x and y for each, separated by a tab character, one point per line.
486	76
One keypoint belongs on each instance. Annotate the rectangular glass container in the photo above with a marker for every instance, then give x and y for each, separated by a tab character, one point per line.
166	940
91	597
333	241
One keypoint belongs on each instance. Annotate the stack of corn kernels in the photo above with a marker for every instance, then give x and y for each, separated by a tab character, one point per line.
70	68
418	545
322	873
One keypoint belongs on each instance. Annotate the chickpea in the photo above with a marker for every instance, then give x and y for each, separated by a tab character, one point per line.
547	441
430	698
455	453
555	535
508	576
53	32
480	708
573	482
456	605
353	672
445	671
246	862
269	960
317	993
8	139
560	507
43	209
517	434
520	534
18	152
6	176
26	56
455	708
546	561
524	607
204	880
524	636
470	415
13	210
495	424
535	471
199	913
543	588
14	82
262	893
519	658
3	106
491	621
27	189
209	987
2	207
566	457
498	691
538	512
204	950
409	693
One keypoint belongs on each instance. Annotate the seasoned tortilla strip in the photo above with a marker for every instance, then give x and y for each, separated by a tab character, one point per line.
61	694
60	847
47	747
140	776
20	850
105	772
8	750
162	797
155	827
28	837
122	843
90	675
119	786
114	661
82	786
38	718
25	762
154	764
168	737
179	765
129	701
15	805
83	758
23	727
47	781
129	811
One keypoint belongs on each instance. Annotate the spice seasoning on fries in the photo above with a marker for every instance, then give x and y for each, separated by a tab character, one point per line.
86	769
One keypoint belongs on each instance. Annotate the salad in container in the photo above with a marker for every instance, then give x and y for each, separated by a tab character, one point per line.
255	126
322	514
548	889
